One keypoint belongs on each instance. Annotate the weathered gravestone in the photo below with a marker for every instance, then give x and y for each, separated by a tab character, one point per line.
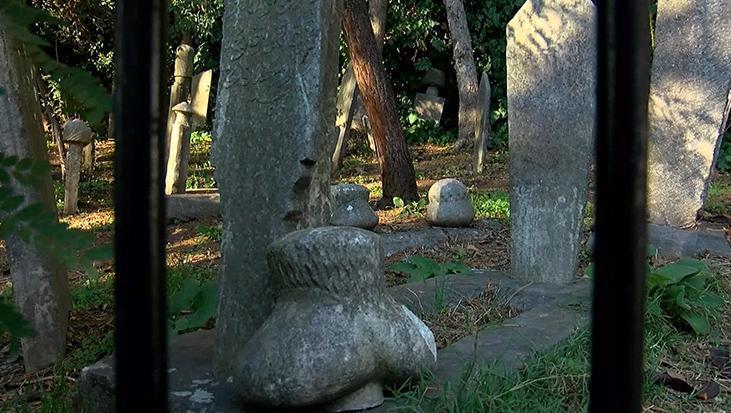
551	56
336	338
430	105
200	94
275	115
689	105
40	283
482	129
77	136
182	82
179	150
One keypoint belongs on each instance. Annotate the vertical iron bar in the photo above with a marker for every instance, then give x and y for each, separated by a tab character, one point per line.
141	356
619	285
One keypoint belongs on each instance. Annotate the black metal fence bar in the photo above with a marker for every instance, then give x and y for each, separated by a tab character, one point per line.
141	374
622	95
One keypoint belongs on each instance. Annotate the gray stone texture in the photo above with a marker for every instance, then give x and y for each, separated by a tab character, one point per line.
275	117
77	135
449	204
192	205
200	95
176	173
40	283
549	314
181	87
551	58
335	337
483	135
689	105
429	107
350	207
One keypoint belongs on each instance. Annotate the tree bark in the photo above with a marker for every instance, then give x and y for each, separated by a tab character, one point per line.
464	66
348	96
397	171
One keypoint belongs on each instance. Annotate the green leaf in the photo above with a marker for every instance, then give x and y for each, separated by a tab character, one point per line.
674	273
709	301
697	322
30	212
398	202
697	264
12	321
402	267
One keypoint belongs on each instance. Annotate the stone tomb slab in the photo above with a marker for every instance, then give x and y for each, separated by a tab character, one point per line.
193	205
549	314
551	59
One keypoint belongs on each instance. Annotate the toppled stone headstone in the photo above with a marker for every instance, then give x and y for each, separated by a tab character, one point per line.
449	204
551	58
689	105
482	129
77	135
335	336
350	207
270	187
40	283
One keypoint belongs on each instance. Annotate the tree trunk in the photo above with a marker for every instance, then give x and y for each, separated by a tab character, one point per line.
55	125
464	66
348	96
397	171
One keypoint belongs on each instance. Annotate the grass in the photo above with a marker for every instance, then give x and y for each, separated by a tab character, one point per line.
557	380
493	204
719	194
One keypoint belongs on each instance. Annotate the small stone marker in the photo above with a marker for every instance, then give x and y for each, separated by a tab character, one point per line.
551	58
430	105
200	95
689	105
449	204
87	164
274	134
335	337
177	167
40	283
350	207
482	131
77	135
182	82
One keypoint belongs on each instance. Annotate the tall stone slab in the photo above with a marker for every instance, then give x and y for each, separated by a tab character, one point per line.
40	283
274	128
482	129
551	56
689	105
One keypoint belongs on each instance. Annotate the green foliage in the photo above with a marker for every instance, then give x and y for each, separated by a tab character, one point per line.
724	155
718	193
419	268
13	325
201	20
420	131
211	232
492	205
76	84
192	305
414	208
684	293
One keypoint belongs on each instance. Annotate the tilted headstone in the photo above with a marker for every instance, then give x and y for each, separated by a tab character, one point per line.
482	130
177	168
336	338
551	58
76	135
350	207
274	135
449	204
40	283
182	83
200	95
689	105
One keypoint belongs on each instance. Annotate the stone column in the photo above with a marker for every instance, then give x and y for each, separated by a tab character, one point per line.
551	57
274	129
689	105
177	167
40	283
77	135
482	129
182	81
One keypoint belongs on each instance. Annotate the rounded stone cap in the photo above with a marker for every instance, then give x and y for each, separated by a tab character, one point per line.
184	61
447	190
434	77
341	260
344	193
183	107
76	131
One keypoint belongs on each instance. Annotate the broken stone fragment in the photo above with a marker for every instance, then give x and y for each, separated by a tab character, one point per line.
449	204
335	337
350	207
